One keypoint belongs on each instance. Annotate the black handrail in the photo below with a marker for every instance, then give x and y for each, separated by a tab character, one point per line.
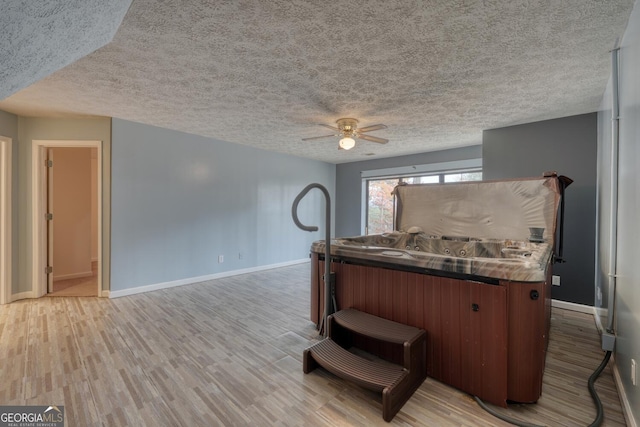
328	291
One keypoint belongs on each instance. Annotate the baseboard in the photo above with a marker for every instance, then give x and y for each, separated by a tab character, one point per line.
192	280
596	316
599	313
105	294
22	295
73	276
588	309
624	400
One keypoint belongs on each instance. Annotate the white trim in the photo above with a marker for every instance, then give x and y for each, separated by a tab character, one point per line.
104	294
37	263
624	400
198	279
599	326
6	161
428	168
365	207
73	276
22	295
588	309
599	313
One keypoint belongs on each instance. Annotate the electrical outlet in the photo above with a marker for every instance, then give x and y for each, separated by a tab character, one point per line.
599	295
555	280
634	372
220	259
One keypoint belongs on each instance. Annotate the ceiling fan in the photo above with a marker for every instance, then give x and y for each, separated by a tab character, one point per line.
347	130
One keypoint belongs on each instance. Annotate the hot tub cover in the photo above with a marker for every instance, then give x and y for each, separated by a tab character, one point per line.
503	209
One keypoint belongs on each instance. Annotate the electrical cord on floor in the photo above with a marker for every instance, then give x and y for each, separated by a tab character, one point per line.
592	390
504	417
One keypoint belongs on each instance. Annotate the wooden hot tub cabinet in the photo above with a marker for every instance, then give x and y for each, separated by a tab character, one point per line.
488	340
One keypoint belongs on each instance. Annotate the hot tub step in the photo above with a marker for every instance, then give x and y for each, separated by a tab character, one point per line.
397	383
389	379
376	327
412	339
372	375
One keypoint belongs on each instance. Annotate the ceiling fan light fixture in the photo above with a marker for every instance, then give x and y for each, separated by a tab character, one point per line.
347	130
347	143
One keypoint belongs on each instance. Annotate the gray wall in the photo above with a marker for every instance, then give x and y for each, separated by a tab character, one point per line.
349	182
180	200
627	290
9	128
568	146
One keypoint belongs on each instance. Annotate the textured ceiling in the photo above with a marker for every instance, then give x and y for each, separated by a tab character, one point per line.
265	73
41	37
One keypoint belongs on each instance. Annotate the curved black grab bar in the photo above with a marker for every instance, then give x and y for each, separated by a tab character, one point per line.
328	290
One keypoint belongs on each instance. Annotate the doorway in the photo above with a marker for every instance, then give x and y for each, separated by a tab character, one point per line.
67	220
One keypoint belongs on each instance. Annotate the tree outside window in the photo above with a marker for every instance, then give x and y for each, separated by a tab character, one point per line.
380	205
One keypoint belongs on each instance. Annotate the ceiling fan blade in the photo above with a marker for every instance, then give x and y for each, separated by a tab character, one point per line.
319	137
330	127
373	139
372	128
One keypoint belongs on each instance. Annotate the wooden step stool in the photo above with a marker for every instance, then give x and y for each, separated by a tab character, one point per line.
397	383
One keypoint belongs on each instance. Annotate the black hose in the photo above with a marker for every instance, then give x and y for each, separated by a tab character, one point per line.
592	390
504	417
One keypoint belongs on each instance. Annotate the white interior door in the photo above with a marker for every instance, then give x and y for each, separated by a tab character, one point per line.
50	225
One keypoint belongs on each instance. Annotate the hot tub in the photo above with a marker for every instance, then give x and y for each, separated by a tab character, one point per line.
467	257
465	265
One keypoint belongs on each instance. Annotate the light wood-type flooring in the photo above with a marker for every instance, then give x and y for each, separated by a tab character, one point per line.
79	287
228	353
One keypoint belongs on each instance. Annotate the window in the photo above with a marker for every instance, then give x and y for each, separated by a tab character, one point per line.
463	176
380	203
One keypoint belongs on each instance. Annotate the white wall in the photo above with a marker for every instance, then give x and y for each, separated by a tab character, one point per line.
181	200
627	296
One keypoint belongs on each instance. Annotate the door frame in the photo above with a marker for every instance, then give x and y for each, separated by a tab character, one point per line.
38	194
6	162
49	224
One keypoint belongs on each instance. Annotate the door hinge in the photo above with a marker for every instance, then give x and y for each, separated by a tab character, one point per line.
48	216
48	270
48	163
